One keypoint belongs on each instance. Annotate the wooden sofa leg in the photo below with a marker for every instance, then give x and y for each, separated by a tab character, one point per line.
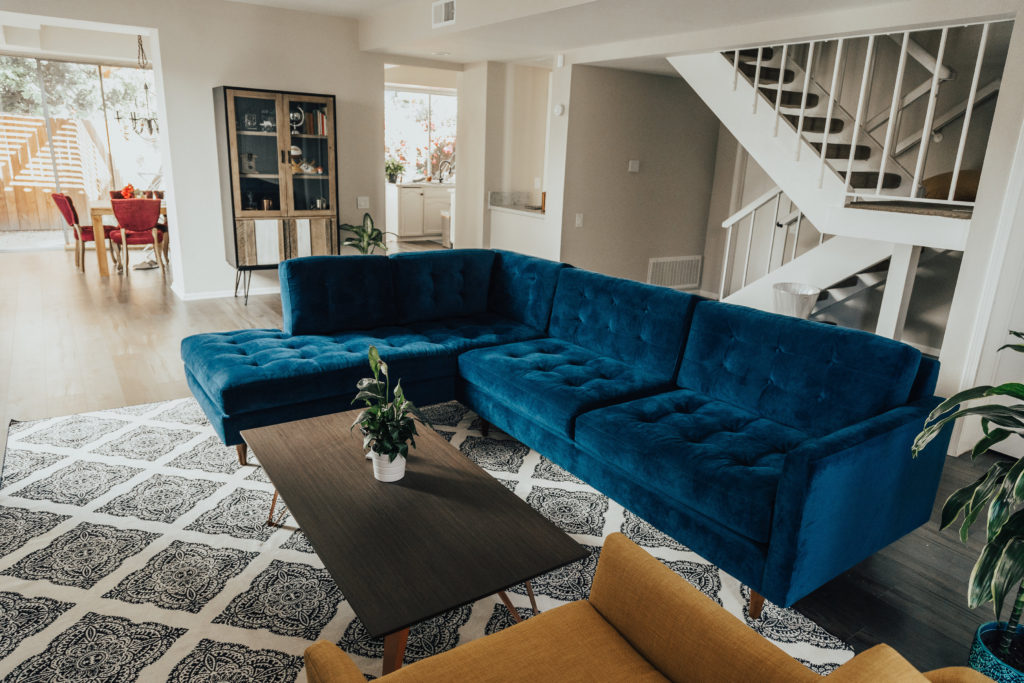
242	450
756	604
485	427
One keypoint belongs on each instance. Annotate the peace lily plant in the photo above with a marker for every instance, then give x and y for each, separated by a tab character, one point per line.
999	571
388	422
365	238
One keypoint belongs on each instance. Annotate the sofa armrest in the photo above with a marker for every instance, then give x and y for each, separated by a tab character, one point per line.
327	663
675	627
846	495
956	674
880	663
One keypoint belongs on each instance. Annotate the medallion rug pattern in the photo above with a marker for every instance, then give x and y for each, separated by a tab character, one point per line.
133	547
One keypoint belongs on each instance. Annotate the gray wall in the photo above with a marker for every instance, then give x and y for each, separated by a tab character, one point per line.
615	116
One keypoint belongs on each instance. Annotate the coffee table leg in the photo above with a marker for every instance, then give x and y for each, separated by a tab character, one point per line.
394	650
273	504
533	599
511	608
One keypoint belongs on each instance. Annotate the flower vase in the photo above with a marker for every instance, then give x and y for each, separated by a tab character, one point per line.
387	470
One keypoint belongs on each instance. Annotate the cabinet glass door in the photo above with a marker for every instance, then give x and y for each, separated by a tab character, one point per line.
255	122
310	148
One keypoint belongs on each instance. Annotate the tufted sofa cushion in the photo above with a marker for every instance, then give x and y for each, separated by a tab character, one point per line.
552	381
702	453
522	287
807	375
327	294
256	369
639	324
430	285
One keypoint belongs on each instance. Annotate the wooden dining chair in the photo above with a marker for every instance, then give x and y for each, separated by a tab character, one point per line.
137	221
82	233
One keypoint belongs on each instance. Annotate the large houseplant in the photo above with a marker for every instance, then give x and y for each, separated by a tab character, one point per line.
365	238
388	422
998	649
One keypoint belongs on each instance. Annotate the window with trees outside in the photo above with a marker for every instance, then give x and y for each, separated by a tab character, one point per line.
419	130
79	129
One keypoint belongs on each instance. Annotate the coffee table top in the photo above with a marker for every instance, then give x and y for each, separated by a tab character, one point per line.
445	535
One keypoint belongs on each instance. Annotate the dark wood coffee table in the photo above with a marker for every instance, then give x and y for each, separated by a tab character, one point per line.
446	535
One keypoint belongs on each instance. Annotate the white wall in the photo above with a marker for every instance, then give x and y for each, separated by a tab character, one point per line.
421	76
629	218
526	117
200	44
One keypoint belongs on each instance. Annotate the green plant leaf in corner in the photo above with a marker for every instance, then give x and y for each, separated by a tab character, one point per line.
1008	573
988	487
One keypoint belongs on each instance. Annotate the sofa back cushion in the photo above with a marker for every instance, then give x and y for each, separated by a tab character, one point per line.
329	294
447	283
523	287
636	323
807	375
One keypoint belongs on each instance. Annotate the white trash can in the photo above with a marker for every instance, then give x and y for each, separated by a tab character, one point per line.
795	299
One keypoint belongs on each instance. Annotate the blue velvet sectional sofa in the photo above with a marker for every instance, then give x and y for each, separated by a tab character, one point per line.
777	448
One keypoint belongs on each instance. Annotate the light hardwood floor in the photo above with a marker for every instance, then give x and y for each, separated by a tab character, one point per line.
71	343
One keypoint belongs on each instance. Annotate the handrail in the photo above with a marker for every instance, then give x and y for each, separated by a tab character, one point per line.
751	207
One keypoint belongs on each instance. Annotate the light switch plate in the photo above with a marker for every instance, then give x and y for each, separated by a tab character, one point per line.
634	166
579	220
362	202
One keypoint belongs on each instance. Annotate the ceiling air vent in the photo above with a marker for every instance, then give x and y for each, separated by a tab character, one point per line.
677	272
442	13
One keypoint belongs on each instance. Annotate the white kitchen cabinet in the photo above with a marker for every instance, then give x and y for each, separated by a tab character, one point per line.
420	208
410	211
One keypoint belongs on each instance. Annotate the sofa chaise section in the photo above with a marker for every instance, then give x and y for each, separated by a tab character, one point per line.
420	310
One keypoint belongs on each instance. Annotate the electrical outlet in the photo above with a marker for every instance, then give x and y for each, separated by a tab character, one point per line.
579	220
536	183
362	202
634	166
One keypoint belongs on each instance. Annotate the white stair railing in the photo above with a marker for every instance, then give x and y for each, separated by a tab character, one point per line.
889	153
749	214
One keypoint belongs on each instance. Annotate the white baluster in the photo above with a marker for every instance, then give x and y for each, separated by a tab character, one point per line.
750	239
803	99
860	106
890	126
725	262
778	92
774	228
796	235
832	97
968	112
757	78
929	117
735	68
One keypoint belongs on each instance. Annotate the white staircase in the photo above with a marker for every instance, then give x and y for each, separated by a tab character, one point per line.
829	152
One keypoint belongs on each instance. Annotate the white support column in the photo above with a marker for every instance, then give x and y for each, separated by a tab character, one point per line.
899	285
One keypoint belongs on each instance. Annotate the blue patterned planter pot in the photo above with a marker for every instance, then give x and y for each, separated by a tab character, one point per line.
982	659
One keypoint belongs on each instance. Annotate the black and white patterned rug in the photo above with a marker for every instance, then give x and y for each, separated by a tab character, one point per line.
133	547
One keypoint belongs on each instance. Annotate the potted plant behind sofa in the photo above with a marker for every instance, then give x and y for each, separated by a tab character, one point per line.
393	168
388	422
366	238
998	649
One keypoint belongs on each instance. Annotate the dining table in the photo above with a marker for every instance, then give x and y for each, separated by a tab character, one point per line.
96	213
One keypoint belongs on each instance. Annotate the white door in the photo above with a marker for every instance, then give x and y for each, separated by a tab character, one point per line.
410	211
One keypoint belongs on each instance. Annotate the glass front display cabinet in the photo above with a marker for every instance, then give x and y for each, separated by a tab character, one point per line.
278	176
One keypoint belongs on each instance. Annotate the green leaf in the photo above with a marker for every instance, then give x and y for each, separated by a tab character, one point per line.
1008	573
990	439
999	510
374	357
957	399
1016	347
979	586
989	486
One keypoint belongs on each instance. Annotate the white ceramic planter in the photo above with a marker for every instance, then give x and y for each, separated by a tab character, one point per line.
387	470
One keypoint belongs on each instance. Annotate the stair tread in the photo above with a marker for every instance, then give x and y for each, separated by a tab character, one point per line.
769	74
920	208
751	53
841	150
816	124
869	179
790	98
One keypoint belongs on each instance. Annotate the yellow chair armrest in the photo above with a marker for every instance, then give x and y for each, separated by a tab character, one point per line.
956	674
326	663
678	629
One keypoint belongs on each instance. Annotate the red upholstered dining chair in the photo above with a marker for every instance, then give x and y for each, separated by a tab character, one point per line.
138	222
82	233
